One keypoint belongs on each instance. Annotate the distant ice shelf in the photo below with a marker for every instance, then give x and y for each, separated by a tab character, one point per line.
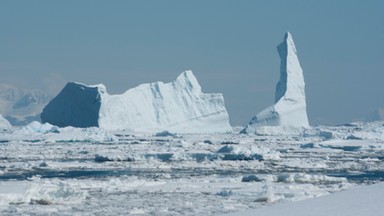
179	106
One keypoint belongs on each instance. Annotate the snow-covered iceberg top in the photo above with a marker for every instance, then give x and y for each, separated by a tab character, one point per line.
289	109
179	107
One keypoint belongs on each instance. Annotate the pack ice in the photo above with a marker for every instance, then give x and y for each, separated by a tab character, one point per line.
179	107
289	109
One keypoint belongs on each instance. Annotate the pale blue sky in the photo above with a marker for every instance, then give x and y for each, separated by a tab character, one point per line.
229	45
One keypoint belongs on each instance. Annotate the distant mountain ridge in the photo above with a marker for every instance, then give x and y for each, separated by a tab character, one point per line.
21	106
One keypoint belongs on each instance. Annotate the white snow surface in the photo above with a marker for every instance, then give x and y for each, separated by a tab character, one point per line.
4	124
289	109
179	107
361	201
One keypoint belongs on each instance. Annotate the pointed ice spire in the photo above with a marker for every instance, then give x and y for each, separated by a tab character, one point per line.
291	84
290	103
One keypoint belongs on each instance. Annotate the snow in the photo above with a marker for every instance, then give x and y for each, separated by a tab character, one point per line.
289	109
362	201
177	107
4	124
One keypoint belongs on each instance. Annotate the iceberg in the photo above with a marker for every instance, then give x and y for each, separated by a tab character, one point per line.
289	110
178	107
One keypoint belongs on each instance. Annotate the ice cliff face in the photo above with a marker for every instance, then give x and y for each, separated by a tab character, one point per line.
76	105
290	103
179	106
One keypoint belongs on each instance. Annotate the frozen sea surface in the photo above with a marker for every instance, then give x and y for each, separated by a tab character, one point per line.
68	171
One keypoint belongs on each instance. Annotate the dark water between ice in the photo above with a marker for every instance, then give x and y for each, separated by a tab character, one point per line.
370	176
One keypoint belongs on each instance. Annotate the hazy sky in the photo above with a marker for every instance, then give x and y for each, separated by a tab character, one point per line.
229	45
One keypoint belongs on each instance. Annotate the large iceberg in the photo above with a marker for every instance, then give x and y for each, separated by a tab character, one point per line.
179	107
289	109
